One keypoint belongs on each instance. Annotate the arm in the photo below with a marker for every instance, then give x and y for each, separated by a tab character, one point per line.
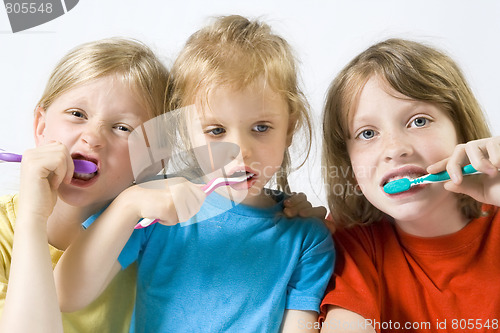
484	155
339	320
91	262
42	171
297	321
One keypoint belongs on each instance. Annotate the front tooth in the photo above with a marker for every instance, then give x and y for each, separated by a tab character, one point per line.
84	176
409	176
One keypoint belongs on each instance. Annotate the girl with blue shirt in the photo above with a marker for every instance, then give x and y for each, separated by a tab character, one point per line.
246	268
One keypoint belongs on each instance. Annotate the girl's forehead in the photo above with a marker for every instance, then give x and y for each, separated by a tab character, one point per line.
372	89
108	92
208	98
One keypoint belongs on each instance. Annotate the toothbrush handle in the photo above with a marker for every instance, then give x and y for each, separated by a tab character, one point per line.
207	188
10	157
469	170
210	186
444	176
81	166
145	223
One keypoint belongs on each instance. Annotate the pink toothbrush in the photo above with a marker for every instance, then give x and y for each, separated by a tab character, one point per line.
207	188
81	166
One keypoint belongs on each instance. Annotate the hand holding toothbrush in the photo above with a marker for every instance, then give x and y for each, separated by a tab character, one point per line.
185	207
484	156
167	201
43	170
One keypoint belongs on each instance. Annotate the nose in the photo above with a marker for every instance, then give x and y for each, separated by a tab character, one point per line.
92	135
244	144
397	146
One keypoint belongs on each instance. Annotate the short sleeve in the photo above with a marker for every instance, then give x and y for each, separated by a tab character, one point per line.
354	285
131	250
7	218
310	278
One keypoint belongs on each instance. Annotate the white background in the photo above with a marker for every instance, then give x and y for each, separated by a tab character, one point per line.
325	35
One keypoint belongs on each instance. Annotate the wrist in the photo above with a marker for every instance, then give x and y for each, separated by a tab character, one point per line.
31	221
130	202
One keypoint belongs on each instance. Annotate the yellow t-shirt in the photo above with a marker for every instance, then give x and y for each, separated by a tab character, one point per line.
111	312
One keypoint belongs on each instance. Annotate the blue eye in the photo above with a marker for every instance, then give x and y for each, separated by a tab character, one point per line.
367	134
216	131
261	128
420	122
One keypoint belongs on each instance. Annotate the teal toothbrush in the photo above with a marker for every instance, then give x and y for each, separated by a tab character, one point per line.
404	184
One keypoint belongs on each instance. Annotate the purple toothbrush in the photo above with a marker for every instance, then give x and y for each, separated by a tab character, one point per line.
81	166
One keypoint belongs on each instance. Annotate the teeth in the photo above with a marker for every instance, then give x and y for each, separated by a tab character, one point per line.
409	176
84	176
238	174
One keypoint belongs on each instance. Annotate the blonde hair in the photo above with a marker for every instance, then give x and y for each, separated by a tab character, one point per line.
132	61
415	70
236	52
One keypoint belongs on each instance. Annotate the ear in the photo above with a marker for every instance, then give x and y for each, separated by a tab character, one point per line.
39	124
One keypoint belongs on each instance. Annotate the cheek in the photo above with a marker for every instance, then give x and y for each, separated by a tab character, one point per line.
360	163
120	164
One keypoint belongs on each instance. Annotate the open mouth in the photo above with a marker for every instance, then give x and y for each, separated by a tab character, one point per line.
239	174
410	176
85	176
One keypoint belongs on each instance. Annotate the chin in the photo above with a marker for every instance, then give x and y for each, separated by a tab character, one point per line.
80	198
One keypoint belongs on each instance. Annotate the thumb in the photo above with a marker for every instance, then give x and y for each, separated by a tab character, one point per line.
469	186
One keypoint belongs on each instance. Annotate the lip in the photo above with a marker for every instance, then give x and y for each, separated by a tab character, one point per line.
81	156
412	171
84	183
240	169
245	184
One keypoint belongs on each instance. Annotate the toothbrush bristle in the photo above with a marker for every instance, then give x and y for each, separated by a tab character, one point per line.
397	186
418	180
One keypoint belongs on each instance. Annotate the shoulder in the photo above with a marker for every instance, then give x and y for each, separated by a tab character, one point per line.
305	224
309	234
375	229
492	212
365	238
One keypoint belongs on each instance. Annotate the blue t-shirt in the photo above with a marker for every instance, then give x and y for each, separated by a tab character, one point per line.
233	272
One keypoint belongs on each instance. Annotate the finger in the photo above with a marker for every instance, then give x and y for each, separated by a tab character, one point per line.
70	167
298	202
493	149
478	157
438	166
61	173
295	198
58	163
319	212
470	186
290	211
455	163
65	167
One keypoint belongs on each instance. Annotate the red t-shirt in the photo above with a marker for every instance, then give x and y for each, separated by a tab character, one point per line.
412	284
